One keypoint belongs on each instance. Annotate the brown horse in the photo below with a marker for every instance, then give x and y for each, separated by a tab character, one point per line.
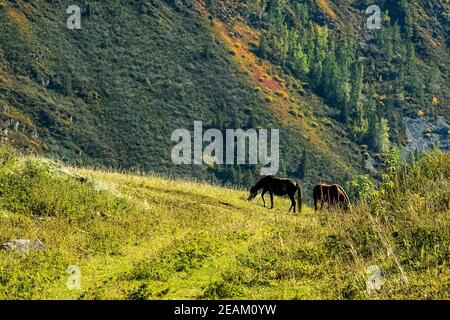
279	187
332	194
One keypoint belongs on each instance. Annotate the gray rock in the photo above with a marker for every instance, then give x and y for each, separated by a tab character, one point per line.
423	133
24	245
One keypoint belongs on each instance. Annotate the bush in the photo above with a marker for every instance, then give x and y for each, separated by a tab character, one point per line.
44	188
220	289
142	292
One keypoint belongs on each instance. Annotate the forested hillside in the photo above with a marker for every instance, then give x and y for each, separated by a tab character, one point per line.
112	93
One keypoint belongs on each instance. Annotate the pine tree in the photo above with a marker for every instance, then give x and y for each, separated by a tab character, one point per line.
302	166
387	42
383	136
329	81
378	133
301	12
235	121
300	64
410	53
406	16
282	171
415	86
263	46
434	80
67	83
251	122
399	50
355	96
345	57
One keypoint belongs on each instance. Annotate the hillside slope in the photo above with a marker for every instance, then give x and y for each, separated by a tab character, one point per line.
112	93
132	237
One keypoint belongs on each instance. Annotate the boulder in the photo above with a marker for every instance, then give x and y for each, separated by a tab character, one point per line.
24	245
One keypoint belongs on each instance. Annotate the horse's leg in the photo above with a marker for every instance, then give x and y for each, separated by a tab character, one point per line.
271	199
322	198
292	202
330	201
262	196
338	201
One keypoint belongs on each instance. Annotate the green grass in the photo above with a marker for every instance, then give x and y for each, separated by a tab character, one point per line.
136	237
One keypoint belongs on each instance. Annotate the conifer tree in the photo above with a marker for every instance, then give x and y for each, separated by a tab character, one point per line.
378	133
355	95
302	166
434	81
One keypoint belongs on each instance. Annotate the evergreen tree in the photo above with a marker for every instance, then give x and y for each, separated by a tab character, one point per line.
355	96
410	53
397	42
434	81
415	85
383	136
388	44
282	171
67	83
378	133
302	166
251	122
300	64
329	81
406	19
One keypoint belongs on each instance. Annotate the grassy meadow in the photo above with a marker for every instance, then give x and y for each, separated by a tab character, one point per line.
148	237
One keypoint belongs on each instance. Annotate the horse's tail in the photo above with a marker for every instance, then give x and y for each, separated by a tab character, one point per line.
299	198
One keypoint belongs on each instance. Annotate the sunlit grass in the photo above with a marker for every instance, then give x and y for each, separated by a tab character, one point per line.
149	237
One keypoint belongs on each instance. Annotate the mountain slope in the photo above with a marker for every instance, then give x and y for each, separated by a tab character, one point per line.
111	94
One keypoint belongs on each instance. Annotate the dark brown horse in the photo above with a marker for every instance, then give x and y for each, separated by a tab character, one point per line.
332	194
279	187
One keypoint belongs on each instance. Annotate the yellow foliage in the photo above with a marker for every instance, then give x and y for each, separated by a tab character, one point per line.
18	18
325	7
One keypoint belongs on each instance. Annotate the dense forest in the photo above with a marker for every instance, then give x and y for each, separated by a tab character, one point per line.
340	69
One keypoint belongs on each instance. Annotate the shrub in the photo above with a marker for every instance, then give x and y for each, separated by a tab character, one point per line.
142	292
220	289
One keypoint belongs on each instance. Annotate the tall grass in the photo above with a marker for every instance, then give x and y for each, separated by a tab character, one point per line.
155	238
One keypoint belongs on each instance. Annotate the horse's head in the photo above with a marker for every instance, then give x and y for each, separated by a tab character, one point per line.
347	206
253	193
345	201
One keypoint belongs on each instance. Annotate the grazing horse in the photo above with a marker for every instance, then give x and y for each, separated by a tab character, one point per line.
279	187
332	194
